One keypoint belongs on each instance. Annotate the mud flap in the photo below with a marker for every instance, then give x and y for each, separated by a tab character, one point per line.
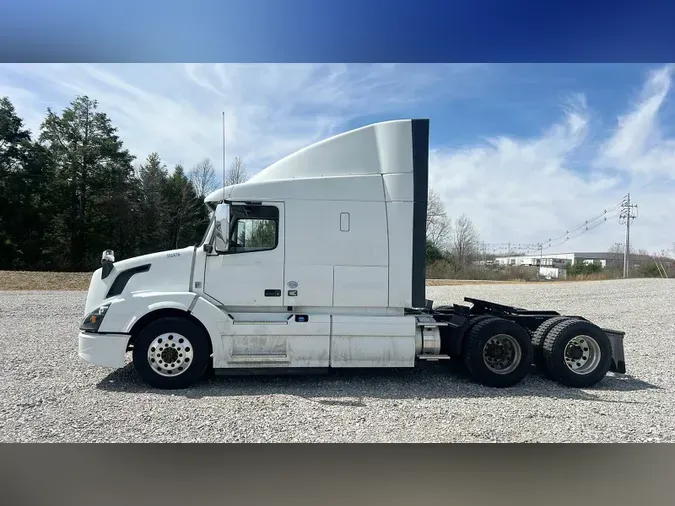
618	361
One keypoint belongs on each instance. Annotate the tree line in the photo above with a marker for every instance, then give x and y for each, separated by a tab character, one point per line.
454	246
73	190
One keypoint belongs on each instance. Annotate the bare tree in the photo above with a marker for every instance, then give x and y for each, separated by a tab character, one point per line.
616	248
236	173
438	224
203	178
464	242
615	256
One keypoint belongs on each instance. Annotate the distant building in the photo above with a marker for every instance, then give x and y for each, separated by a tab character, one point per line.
562	260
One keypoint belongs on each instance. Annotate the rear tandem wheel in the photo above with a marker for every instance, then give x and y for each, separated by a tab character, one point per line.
540	334
497	352
576	353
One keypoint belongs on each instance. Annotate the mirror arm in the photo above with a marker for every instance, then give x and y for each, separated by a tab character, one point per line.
221	231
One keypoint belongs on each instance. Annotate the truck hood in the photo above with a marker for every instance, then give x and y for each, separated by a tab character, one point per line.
164	271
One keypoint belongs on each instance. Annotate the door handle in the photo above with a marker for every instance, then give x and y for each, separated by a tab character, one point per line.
272	293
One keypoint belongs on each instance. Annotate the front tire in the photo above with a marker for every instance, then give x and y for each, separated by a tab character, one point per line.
577	354
498	353
171	353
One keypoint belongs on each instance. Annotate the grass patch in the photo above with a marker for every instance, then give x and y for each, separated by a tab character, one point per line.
443	269
594	276
459	282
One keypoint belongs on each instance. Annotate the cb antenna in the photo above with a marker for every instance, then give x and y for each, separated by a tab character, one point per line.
222	196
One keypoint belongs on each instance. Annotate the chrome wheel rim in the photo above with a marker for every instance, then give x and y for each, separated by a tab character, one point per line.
502	354
170	354
582	354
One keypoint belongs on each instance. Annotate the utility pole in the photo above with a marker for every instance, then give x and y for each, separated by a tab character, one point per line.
627	216
541	254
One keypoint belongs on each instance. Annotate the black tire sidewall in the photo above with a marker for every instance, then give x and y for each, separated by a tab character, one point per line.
475	320
185	327
475	342
539	336
554	353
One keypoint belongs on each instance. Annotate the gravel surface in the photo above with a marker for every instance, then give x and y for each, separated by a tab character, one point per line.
49	394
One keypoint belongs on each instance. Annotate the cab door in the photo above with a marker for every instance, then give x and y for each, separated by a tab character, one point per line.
251	272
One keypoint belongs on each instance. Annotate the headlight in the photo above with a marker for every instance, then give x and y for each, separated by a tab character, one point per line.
93	321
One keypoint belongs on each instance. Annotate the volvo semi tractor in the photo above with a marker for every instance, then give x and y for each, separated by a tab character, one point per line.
318	262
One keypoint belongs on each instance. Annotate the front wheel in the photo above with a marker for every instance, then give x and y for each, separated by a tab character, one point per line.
171	353
498	352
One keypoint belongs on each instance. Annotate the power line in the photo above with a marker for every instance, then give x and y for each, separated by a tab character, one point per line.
606	213
579	232
583	227
617	210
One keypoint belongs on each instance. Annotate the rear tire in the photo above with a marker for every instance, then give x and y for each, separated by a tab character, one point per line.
171	353
540	334
577	354
498	352
475	320
456	362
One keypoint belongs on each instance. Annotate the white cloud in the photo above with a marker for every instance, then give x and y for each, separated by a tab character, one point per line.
528	190
637	145
271	110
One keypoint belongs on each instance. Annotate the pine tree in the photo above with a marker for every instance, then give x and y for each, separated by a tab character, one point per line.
25	176
184	209
154	208
93	175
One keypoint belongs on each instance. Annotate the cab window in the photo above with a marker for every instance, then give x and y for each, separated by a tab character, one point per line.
254	228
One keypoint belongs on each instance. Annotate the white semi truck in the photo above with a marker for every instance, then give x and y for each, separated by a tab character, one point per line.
318	262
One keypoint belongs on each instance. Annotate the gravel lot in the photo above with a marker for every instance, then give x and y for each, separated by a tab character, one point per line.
49	394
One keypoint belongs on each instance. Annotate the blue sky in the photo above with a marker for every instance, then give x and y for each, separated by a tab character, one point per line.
525	150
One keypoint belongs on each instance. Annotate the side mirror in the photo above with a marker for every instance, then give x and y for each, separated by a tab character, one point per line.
221	233
107	261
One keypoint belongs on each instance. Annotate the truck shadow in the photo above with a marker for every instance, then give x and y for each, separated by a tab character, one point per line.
354	387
